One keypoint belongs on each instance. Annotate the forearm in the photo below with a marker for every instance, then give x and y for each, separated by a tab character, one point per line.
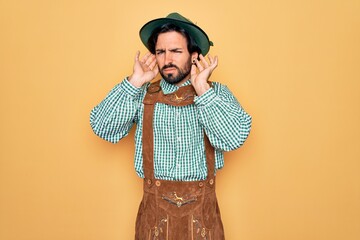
113	118
225	122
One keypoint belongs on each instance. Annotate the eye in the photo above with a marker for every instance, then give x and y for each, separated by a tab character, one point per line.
159	52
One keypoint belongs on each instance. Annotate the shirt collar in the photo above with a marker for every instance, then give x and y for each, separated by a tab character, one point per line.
170	88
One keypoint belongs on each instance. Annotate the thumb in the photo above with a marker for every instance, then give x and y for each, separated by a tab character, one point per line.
156	70
137	56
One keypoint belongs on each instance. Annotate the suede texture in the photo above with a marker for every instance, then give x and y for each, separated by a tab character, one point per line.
176	210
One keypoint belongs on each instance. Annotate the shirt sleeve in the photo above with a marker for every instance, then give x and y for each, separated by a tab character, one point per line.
113	118
225	122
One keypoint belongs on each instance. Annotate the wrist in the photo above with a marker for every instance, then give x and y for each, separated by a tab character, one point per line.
206	99
129	89
135	81
201	88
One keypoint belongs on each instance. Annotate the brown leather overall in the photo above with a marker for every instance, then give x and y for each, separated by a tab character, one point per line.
176	210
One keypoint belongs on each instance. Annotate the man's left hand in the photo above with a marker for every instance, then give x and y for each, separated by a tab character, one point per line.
201	72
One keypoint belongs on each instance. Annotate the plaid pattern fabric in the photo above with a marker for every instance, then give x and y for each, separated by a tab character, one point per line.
179	152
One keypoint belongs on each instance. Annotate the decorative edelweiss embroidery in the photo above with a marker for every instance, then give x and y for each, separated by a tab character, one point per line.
179	201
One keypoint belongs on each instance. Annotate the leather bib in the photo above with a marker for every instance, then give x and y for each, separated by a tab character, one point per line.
175	210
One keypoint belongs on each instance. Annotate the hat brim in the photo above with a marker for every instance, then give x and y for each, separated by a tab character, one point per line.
200	37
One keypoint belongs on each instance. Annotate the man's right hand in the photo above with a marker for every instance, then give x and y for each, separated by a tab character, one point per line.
145	69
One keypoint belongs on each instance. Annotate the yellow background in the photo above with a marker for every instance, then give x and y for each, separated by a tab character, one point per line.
293	65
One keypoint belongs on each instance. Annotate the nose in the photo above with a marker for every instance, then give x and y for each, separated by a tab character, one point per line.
168	57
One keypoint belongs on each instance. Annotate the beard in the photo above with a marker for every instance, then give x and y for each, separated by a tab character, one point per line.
177	77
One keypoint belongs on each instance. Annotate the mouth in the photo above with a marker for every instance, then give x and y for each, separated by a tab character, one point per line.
169	70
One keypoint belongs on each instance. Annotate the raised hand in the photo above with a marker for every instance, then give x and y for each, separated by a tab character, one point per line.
201	72
145	69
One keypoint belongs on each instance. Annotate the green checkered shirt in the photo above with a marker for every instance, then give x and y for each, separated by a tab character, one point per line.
179	152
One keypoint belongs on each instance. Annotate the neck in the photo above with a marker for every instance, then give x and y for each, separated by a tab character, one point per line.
183	81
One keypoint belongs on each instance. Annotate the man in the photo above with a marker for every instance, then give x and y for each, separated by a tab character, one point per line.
184	124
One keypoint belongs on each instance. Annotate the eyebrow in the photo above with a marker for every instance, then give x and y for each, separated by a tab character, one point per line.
171	50
175	49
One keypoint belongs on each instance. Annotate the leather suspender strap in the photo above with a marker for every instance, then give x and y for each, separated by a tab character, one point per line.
210	159
148	143
182	97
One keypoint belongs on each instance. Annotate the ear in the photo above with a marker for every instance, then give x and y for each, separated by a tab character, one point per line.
194	56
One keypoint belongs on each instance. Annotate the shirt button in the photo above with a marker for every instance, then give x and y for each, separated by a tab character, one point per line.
179	139
178	165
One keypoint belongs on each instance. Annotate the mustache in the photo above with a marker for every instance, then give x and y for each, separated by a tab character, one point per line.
169	66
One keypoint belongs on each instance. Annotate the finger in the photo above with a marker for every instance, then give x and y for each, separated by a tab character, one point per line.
203	61
199	66
152	63
137	56
155	70
214	62
150	59
193	72
145	57
211	59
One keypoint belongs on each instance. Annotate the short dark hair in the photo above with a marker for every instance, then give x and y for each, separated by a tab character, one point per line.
170	27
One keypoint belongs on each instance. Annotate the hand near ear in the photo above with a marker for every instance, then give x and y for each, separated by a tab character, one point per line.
201	72
144	70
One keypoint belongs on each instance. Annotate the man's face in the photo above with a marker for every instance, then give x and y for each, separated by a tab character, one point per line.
173	57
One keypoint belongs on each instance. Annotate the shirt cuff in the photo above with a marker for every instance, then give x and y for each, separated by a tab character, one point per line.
129	89
207	98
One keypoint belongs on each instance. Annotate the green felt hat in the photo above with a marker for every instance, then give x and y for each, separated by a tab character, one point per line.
200	37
